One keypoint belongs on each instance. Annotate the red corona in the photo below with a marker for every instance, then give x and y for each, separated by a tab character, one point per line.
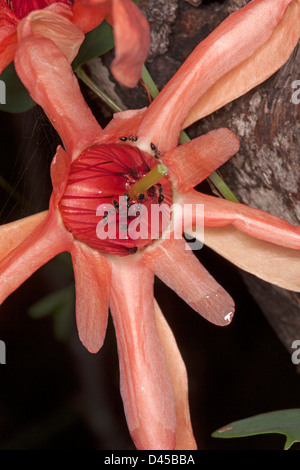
102	177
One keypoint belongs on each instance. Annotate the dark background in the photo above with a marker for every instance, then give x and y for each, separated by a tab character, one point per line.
55	395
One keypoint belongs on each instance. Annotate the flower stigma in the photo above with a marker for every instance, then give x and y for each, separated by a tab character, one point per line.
117	199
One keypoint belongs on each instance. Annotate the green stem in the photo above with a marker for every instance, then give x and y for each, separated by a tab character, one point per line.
222	187
147	79
100	93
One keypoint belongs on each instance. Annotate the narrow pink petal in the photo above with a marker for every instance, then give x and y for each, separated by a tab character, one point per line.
254	222
256	69
14	233
123	124
60	167
47	240
184	434
8	34
191	163
272	263
87	15
177	266
145	384
132	42
7	50
55	26
235	40
48	76
63	9
92	283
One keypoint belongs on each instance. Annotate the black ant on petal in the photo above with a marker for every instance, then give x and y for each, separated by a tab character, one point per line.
154	149
131	138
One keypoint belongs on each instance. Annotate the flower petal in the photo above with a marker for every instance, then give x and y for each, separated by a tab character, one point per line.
272	263
123	124
92	283
14	233
87	15
236	39
191	163
8	34
254	222
93	2
8	49
177	266
7	18
55	26
256	69
47	240
145	384
132	42
60	167
184	434
48	76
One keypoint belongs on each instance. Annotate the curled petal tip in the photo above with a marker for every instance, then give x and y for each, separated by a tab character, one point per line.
55	26
132	39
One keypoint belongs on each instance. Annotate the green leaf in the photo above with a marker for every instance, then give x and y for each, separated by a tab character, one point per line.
18	99
285	422
60	305
97	42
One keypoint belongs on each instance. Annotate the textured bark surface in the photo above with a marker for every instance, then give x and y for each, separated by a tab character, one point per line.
265	172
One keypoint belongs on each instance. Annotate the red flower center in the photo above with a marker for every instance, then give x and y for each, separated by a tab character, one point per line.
23	7
96	206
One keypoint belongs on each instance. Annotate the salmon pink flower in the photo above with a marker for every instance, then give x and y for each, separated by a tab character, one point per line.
96	166
66	21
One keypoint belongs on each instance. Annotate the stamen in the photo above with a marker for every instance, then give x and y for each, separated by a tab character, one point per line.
147	181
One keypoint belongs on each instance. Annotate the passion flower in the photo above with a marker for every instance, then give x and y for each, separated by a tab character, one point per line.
245	49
